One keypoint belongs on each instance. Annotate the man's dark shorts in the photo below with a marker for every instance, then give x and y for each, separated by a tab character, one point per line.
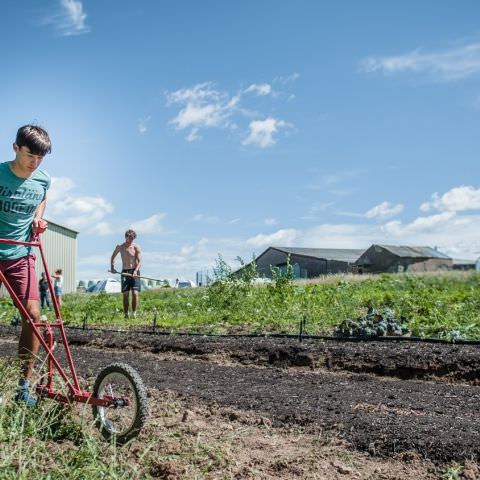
20	274
130	283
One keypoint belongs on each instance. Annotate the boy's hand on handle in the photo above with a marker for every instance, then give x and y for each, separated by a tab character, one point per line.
39	226
112	270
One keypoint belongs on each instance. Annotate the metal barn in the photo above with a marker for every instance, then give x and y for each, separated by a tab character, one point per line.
60	244
307	262
393	259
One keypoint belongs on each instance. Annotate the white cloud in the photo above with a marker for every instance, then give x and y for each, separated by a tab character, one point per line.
316	209
330	180
80	212
262	132
384	210
193	135
148	225
84	212
452	64
203	107
102	228
202	218
70	19
420	224
270	222
455	200
284	237
288	79
195	250
142	124
261	89
59	188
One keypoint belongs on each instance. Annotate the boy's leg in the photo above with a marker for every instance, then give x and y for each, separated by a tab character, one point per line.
29	343
23	279
125	303
20	274
134	301
135	289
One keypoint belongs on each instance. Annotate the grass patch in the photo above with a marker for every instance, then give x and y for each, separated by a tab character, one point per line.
51	441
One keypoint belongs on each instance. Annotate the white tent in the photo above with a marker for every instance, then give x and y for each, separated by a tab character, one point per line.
110	285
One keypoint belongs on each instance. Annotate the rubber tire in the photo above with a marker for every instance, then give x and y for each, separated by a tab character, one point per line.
142	402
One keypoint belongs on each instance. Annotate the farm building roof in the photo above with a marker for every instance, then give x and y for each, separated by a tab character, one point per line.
340	254
414	252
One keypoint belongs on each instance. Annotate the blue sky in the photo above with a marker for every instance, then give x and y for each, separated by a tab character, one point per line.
225	127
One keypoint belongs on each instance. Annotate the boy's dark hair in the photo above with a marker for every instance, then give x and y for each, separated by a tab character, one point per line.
35	138
58	270
131	233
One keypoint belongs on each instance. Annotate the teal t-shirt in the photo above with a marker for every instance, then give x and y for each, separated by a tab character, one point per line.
19	199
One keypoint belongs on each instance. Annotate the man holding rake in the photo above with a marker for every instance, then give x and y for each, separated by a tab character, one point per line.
131	259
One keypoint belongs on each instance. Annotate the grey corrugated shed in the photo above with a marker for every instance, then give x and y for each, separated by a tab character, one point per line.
340	254
414	252
60	245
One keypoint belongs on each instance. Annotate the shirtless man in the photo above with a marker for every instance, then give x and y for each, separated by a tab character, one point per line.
131	259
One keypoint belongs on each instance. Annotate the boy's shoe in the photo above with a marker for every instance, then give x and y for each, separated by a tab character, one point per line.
134	314
23	394
125	315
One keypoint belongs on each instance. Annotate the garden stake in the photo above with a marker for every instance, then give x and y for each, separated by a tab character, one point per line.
303	327
155	322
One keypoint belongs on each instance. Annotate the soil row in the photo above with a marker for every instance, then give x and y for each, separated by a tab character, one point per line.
405	360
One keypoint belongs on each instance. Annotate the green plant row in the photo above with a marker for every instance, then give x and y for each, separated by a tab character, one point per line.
434	305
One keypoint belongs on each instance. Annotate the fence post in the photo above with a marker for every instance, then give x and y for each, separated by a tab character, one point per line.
85	322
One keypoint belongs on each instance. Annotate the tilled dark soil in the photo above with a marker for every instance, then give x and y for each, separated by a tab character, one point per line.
406	360
382	415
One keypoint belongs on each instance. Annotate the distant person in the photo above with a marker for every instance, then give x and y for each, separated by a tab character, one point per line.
57	285
131	259
176	282
44	293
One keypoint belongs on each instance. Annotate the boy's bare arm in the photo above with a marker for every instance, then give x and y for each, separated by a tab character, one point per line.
39	214
138	259
112	260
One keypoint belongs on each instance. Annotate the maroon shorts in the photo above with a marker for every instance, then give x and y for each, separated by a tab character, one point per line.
20	274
